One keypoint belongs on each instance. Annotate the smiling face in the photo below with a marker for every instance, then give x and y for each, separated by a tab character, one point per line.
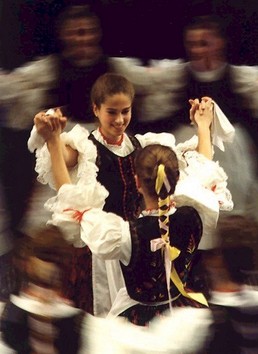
114	116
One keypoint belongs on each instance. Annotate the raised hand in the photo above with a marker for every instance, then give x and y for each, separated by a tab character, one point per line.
50	123
201	112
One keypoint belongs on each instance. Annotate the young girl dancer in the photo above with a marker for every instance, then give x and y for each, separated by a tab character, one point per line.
155	268
107	156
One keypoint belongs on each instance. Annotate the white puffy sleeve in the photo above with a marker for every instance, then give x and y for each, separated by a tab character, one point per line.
207	173
194	166
202	185
86	169
108	239
77	210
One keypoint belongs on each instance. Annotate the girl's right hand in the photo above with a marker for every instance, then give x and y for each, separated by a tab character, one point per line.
50	123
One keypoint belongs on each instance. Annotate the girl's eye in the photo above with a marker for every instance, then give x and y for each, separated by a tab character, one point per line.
126	111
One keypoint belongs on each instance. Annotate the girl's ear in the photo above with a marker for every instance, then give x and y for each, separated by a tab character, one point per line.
95	109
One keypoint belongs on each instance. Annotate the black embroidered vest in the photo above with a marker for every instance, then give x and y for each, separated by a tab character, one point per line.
145	276
116	173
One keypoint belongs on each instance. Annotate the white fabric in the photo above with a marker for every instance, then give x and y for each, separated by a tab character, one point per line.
246	83
205	202
107	279
56	309
246	297
239	163
221	129
208	75
156	85
110	239
185	331
35	140
122	302
159	84
25	91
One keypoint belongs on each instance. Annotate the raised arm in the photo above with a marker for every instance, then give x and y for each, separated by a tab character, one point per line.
50	128
49	124
201	114
59	167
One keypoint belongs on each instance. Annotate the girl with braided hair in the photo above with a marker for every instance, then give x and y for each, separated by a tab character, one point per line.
155	251
164	240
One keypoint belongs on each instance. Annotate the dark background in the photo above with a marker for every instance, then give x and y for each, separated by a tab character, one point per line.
137	28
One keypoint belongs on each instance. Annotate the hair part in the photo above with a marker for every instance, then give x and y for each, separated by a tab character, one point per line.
147	161
108	85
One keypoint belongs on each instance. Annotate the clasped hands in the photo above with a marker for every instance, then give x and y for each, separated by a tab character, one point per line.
201	112
50	123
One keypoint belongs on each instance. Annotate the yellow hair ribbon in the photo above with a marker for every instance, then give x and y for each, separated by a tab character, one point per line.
163	217
161	179
199	297
171	252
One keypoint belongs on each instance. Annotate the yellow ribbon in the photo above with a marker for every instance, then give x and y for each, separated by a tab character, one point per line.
199	297
171	252
161	180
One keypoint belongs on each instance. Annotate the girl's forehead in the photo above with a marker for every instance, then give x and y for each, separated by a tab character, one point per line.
121	98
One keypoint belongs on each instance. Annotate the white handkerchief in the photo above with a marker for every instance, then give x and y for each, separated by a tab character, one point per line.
221	129
35	140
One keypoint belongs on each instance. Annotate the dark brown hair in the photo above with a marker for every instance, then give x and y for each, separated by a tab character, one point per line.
110	84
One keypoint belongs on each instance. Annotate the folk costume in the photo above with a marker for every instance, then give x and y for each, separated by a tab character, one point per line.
202	183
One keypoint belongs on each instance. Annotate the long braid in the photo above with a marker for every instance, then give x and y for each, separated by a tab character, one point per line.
163	189
157	169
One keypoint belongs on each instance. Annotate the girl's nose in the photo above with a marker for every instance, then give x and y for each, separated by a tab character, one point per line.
119	119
